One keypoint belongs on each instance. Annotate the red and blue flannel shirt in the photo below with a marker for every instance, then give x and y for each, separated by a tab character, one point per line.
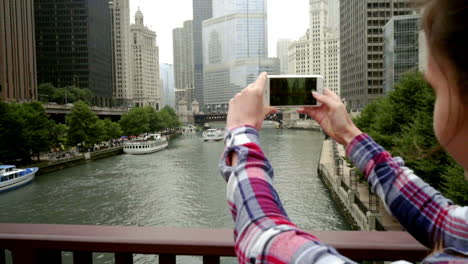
263	232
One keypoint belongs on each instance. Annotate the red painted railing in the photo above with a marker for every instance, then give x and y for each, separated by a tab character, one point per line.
36	243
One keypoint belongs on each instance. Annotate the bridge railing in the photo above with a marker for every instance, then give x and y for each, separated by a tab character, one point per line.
37	243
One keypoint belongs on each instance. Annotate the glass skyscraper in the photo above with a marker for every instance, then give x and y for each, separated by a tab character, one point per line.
401	48
202	10
235	49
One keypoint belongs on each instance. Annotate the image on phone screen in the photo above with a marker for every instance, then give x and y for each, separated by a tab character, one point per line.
292	91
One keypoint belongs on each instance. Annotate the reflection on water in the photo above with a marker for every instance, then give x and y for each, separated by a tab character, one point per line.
178	187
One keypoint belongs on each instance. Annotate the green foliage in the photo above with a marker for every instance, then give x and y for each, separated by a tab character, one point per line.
142	120
26	130
455	185
402	123
69	94
84	126
112	130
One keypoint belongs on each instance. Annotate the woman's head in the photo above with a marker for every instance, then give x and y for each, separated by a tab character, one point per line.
445	23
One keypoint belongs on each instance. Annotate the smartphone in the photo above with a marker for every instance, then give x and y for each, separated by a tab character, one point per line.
292	91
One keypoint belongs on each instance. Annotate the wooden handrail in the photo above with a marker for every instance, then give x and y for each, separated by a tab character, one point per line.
356	245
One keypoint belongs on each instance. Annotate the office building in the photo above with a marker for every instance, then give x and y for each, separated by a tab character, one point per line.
282	54
361	45
202	10
166	71
145	55
235	50
401	48
73	43
183	64
18	78
121	52
318	51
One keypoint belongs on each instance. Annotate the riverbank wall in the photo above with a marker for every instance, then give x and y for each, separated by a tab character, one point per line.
55	165
363	209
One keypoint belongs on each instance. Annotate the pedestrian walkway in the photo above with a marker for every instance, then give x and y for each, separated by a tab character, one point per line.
353	191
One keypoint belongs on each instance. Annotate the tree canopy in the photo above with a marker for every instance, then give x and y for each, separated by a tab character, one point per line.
70	94
402	123
84	126
145	119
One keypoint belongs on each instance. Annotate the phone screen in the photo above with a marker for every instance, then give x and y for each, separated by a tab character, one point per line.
292	91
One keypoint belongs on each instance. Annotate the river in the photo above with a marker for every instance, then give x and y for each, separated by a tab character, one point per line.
177	187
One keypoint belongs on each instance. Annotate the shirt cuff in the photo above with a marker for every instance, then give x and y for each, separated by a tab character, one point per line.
361	150
240	136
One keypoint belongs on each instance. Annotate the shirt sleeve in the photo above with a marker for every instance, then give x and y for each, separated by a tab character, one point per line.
263	232
424	212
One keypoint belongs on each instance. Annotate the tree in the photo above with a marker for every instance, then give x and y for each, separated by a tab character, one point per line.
112	129
84	127
135	122
11	133
45	91
402	123
63	95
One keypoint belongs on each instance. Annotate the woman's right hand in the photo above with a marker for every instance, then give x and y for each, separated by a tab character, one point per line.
332	117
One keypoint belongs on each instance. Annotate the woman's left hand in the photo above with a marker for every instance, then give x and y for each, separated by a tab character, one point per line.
247	107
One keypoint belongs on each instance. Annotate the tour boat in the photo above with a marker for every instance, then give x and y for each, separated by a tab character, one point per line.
145	145
213	135
190	129
12	178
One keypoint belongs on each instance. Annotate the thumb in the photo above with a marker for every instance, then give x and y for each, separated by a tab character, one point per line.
268	110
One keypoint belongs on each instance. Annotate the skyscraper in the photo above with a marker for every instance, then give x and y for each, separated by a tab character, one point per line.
121	49
282	54
235	50
401	48
202	10
18	79
361	44
318	52
73	41
145	54
167	85
183	64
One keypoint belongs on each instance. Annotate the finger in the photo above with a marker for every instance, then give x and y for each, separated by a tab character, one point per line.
323	98
231	101
330	93
260	83
238	95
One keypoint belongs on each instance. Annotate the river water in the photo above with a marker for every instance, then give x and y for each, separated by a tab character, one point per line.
177	187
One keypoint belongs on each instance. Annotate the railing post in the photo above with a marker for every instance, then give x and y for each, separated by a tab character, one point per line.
211	259
123	258
167	259
81	257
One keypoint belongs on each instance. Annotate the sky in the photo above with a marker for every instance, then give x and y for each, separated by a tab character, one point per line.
286	19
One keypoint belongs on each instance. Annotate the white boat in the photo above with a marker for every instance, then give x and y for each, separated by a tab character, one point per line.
213	135
145	145
190	129
12	178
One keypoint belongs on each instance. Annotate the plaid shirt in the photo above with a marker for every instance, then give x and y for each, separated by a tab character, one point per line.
264	234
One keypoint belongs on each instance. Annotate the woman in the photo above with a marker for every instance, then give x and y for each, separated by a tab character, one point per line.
263	232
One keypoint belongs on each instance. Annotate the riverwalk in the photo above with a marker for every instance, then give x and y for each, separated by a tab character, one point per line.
362	208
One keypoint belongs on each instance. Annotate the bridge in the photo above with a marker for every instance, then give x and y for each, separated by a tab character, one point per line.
58	112
200	119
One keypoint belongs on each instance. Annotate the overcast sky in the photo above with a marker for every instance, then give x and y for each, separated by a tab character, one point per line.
286	19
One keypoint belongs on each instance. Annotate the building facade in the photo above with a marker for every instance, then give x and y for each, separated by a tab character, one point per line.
361	45
235	50
282	54
183	64
318	51
121	52
73	44
401	48
18	77
145	56
166	71
202	10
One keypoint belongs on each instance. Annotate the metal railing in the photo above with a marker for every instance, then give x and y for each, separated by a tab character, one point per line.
37	243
